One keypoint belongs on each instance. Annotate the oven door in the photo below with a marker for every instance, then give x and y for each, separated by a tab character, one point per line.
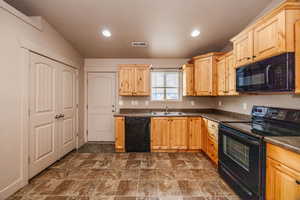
240	155
273	75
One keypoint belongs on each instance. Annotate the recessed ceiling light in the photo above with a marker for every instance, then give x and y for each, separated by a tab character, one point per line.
106	33
195	33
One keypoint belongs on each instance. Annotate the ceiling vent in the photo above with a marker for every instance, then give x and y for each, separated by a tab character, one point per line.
139	44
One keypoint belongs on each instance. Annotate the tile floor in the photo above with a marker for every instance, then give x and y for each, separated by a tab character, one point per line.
128	176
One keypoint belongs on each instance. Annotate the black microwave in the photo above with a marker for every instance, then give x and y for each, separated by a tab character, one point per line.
275	74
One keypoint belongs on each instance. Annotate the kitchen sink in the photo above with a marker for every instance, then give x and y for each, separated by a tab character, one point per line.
166	113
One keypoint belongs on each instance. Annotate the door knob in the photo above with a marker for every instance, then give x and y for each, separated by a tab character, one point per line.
57	116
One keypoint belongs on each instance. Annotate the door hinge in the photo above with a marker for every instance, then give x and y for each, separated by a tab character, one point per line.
87	106
29	113
29	160
87	132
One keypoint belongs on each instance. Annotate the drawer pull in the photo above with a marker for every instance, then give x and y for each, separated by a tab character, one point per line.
298	182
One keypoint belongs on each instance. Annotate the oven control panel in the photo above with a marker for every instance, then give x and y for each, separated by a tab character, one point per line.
288	115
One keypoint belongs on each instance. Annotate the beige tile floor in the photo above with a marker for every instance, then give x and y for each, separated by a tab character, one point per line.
128	176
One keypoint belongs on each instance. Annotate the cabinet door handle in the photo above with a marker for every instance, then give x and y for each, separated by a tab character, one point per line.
298	182
57	116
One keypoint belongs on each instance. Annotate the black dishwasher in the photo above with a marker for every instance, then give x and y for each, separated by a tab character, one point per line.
137	134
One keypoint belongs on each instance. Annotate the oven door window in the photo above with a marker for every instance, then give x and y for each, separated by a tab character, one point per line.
237	151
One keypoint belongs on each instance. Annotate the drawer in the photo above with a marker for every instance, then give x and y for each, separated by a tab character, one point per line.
212	150
284	156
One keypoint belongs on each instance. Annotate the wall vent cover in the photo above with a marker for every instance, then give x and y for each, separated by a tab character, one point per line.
139	44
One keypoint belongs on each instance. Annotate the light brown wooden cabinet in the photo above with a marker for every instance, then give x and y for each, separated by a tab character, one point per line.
195	133
188	80
120	134
297	71
169	133
134	80
269	36
226	75
283	174
205	74
243	48
210	139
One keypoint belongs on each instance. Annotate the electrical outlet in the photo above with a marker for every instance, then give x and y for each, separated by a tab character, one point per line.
192	103
136	103
220	103
245	106
146	103
132	102
121	103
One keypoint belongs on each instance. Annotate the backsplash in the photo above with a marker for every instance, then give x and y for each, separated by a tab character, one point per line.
186	102
243	104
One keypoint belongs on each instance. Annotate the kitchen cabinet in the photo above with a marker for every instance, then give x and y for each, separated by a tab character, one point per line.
282	174
134	80
188	80
222	77
160	133
268	37
178	129
195	133
169	133
243	48
210	139
297	70
271	35
226	75
120	134
205	74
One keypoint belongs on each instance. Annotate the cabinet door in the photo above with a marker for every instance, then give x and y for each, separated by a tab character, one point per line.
212	150
120	134
126	80
178	132
188	80
231	79
204	129
222	77
282	182
160	138
203	77
269	37
195	137
142	80
243	48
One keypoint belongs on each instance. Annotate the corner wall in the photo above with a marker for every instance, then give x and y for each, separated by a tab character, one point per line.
16	27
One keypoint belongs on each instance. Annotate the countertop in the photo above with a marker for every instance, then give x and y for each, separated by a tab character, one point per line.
290	143
213	115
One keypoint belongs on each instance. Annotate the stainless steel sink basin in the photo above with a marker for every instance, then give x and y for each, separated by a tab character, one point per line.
166	113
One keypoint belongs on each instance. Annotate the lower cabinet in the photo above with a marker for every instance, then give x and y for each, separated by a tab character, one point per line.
283	174
210	139
169	133
120	134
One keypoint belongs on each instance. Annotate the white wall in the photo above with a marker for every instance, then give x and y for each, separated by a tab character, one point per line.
16	27
110	65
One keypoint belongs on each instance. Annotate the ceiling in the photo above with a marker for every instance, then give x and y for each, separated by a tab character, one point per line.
165	24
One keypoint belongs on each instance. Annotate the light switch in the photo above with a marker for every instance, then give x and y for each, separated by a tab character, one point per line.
192	103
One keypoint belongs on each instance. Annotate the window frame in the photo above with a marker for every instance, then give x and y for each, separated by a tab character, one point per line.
179	87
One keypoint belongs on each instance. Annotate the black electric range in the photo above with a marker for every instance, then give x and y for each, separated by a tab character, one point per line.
242	150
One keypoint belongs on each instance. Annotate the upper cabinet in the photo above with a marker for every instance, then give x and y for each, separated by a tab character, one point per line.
269	36
243	48
226	75
188	80
134	80
205	74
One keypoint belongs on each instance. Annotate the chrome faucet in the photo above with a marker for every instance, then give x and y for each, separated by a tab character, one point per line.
166	108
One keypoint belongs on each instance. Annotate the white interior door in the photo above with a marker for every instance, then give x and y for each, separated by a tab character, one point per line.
43	141
101	106
68	107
